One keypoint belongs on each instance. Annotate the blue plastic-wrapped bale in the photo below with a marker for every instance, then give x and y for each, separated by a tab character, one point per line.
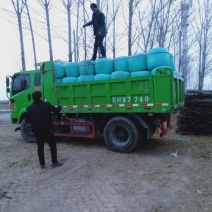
121	64
87	67
85	78
140	73
120	74
72	69
59	70
102	76
104	66
158	57
69	79
137	62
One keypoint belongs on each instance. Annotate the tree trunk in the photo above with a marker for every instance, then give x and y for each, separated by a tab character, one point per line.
19	9
32	35
68	10
22	44
114	34
130	28
49	34
46	5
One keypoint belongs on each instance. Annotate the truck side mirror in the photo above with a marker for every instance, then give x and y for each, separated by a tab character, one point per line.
7	81
7	84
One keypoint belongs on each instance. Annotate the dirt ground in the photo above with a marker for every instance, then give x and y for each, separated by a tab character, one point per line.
172	173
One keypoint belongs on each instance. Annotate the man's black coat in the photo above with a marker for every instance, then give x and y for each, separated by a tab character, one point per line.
98	21
39	115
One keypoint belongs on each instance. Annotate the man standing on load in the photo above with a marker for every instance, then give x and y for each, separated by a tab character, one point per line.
99	28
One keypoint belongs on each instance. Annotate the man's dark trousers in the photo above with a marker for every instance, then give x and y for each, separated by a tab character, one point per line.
99	43
46	136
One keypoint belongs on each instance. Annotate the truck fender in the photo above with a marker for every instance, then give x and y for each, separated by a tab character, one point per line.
21	115
145	125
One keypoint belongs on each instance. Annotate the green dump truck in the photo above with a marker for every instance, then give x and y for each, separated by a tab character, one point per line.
124	110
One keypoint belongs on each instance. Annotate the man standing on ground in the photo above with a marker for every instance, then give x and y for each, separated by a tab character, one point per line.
39	116
99	28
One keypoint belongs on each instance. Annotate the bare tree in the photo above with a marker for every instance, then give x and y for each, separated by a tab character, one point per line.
85	16
147	30
114	14
203	33
46	4
132	6
77	32
155	23
164	21
68	4
32	34
18	7
83	33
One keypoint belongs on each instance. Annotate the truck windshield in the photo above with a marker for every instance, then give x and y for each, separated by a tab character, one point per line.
20	83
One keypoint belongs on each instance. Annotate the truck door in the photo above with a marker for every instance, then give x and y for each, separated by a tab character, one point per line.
49	87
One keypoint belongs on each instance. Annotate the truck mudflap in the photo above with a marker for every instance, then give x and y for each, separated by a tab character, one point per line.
163	126
17	129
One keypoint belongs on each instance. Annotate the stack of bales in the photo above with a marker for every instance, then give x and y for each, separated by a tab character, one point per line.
196	116
141	64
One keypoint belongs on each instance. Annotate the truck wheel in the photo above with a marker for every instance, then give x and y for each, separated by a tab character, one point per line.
121	134
26	132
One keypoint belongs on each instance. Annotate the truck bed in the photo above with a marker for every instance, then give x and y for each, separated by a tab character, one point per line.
162	92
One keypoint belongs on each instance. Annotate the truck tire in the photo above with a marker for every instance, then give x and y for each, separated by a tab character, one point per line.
26	132
121	134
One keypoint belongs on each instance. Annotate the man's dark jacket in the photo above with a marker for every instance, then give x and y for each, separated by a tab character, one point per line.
98	21
39	115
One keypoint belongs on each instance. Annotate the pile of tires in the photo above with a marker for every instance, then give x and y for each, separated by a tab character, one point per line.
196	116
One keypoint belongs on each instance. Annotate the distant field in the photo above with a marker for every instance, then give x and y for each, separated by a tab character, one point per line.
4	102
4	107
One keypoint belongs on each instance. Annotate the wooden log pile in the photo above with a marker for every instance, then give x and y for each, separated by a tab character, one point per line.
196	116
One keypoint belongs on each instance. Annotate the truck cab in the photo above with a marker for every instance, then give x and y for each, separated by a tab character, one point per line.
21	87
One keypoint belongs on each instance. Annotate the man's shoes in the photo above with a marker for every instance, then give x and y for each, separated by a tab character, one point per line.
93	58
54	165
99	58
42	166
